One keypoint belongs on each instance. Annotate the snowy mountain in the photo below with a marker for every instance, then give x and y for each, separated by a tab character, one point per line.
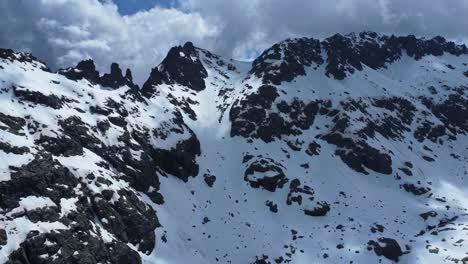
351	149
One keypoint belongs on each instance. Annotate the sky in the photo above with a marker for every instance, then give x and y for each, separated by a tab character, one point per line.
129	7
138	33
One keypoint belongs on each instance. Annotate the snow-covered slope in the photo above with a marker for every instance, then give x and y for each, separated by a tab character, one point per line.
348	150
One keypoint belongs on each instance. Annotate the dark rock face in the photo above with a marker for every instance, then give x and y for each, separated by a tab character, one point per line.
140	172
8	148
34	179
416	190
181	160
52	100
386	247
10	55
358	155
275	179
84	70
129	219
389	126
60	146
3	237
345	54
342	57
115	79
90	249
295	55
77	130
14	125
321	209
251	118
181	66
184	105
453	112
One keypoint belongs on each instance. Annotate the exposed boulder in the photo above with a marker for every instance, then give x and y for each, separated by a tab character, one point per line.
209	179
387	247
321	209
297	193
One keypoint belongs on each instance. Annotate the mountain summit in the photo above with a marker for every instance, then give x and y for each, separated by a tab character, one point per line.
351	149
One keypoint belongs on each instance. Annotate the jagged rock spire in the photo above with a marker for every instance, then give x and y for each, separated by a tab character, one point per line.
181	66
84	69
87	69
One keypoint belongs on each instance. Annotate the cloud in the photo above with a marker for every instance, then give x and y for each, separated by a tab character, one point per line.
62	32
250	24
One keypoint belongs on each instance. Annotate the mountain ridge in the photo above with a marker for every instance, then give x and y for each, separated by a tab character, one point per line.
315	151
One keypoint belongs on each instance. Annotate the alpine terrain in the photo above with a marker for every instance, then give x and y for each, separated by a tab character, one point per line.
350	149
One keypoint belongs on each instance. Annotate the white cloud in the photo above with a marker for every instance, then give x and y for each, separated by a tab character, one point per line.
66	31
255	24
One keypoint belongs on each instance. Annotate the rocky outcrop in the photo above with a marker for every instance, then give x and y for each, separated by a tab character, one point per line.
321	209
115	79
345	54
251	117
359	155
51	100
294	54
265	173
181	66
387	247
86	69
66	247
180	161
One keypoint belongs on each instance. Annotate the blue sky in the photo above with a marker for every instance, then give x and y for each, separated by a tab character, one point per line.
128	7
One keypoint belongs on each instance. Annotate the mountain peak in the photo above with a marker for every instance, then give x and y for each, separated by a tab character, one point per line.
188	46
23	57
84	69
87	69
181	66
